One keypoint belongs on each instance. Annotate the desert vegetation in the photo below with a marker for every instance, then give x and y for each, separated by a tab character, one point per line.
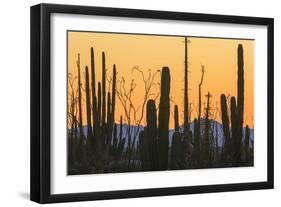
109	144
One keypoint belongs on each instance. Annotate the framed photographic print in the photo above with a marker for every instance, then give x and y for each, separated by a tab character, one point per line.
132	103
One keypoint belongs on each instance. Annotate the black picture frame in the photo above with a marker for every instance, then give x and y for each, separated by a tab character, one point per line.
40	102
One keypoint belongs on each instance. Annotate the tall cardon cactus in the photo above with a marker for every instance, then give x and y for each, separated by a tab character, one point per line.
176	118
94	97
80	112
186	118
240	105
103	109
88	105
151	132
164	115
225	124
206	138
233	143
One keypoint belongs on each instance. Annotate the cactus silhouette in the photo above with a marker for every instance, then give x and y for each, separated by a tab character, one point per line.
206	140
143	149
148	138
225	118
113	93
240	105
108	117
226	132
187	139
199	99
103	110
233	111
107	146
186	119
197	126
81	135
176	118
88	104
164	115
94	97
111	107
151	134
233	143
99	105
197	145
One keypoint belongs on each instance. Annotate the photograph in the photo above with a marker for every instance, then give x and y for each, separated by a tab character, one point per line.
151	102
129	103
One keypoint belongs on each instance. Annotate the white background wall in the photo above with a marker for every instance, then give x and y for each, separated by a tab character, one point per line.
14	101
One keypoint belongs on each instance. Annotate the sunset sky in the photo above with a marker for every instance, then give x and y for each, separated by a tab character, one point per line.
219	56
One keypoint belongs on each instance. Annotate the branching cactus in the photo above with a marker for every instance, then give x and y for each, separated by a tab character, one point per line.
233	146
233	143
189	149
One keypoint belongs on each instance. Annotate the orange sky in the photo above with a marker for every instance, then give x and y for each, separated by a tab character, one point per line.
219	56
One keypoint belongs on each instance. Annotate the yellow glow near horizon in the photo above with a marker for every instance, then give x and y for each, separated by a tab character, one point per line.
152	52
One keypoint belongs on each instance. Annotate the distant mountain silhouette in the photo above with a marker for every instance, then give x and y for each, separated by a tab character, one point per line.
171	131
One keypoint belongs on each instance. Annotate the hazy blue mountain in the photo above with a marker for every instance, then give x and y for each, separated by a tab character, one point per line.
213	123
